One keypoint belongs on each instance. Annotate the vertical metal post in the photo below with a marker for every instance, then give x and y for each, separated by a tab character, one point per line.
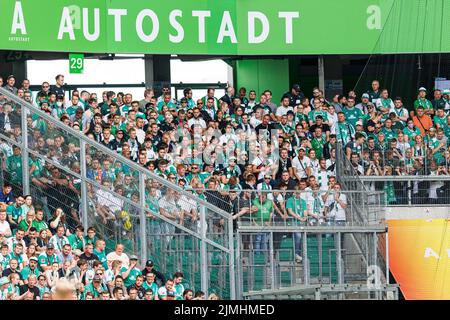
319	244
272	263
25	169
339	258
387	257
240	276
143	219
321	73
305	258
203	252
374	258
231	258
84	192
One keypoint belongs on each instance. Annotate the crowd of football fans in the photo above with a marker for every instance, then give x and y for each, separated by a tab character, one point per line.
220	148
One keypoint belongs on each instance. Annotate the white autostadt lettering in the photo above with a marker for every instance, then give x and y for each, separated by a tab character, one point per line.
148	24
18	22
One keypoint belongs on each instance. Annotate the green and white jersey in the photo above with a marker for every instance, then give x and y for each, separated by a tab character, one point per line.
40	225
153	286
388	133
14	212
425	103
317	145
264	211
58	242
441	121
45	260
352	115
411	133
20	258
96	294
131	279
4	261
400	112
102	257
314	113
179	289
14	167
27	271
384	103
344	132
297	205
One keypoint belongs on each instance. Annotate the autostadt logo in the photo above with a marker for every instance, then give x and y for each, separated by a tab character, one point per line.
18	25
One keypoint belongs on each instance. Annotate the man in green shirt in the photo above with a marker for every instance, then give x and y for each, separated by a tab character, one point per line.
352	114
297	208
374	93
440	119
15	213
424	102
99	251
76	240
150	283
129	274
32	268
47	258
177	285
263	208
14	166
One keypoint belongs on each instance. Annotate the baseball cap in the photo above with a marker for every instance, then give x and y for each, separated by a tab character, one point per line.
365	95
422	89
296	87
149	263
319	117
302	148
97	278
134	257
4	280
359	123
77	252
50	246
183	100
33	259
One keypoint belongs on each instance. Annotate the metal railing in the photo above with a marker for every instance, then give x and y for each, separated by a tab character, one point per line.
125	202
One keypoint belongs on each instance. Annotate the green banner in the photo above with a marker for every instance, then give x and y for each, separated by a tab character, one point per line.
226	27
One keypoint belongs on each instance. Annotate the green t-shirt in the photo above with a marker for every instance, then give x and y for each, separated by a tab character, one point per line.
297	205
102	257
264	210
388	133
27	271
425	103
441	121
352	115
40	225
153	287
131	279
317	145
15	212
14	167
75	242
46	260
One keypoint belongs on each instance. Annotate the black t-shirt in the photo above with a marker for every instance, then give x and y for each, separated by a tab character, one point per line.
34	290
283	165
57	90
324	128
90	260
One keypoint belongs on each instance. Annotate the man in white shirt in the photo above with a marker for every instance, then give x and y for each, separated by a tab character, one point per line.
284	108
5	229
335	205
301	165
118	254
197	119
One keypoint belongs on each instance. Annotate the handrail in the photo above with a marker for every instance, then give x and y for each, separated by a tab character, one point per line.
115	155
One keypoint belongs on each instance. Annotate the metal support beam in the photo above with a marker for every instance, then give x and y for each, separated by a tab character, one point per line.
321	72
305	258
24	152
272	263
339	259
142	220
84	199
231	261
203	252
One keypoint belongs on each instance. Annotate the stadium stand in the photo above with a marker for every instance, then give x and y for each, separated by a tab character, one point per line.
237	164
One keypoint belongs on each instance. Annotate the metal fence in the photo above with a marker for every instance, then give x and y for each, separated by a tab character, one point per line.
276	258
126	203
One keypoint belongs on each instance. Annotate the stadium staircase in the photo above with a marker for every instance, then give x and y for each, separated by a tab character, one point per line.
203	254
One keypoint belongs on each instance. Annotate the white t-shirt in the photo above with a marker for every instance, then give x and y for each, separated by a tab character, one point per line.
282	111
301	166
123	257
4	227
337	211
